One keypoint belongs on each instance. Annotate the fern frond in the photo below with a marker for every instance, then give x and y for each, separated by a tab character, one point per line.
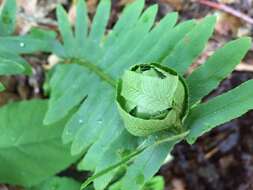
10	62
8	18
95	60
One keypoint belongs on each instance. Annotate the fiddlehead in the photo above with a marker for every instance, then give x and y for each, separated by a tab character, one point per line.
152	98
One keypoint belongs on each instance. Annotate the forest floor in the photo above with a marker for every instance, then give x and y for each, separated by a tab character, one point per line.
221	159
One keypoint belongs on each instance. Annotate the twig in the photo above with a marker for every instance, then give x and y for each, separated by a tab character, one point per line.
211	153
227	9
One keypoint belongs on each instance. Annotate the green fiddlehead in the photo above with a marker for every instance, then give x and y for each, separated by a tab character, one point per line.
152	98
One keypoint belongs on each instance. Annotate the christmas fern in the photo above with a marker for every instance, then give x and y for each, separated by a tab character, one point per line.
87	84
10	63
92	61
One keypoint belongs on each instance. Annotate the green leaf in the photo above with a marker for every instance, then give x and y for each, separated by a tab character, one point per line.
156	183
139	89
192	44
10	67
96	114
29	151
8	18
21	44
65	96
57	183
42	34
1	87
219	110
146	45
93	48
146	165
100	21
142	98
81	123
167	42
109	169
92	120
217	67
65	30
88	84
92	159
136	35
81	26
125	23
113	154
13	64
152	141
27	44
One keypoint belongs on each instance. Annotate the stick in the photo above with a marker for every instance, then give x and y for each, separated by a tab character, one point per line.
227	9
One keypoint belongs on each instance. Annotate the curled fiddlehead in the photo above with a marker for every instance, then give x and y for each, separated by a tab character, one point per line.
152	98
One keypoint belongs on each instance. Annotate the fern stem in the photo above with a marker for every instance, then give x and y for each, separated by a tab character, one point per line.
131	156
98	71
105	171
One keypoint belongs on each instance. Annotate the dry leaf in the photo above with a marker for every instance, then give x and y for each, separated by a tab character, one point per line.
124	2
91	5
177	4
227	24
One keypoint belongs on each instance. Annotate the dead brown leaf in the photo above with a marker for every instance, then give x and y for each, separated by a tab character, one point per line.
228	24
177	4
124	2
91	5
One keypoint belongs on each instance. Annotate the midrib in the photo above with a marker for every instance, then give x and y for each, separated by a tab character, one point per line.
95	69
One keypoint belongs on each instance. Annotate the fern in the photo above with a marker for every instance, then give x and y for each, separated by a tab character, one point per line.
98	61
8	18
30	152
96	127
38	40
10	63
93	61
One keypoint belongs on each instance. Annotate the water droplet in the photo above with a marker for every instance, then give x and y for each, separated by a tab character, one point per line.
22	44
100	121
80	121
